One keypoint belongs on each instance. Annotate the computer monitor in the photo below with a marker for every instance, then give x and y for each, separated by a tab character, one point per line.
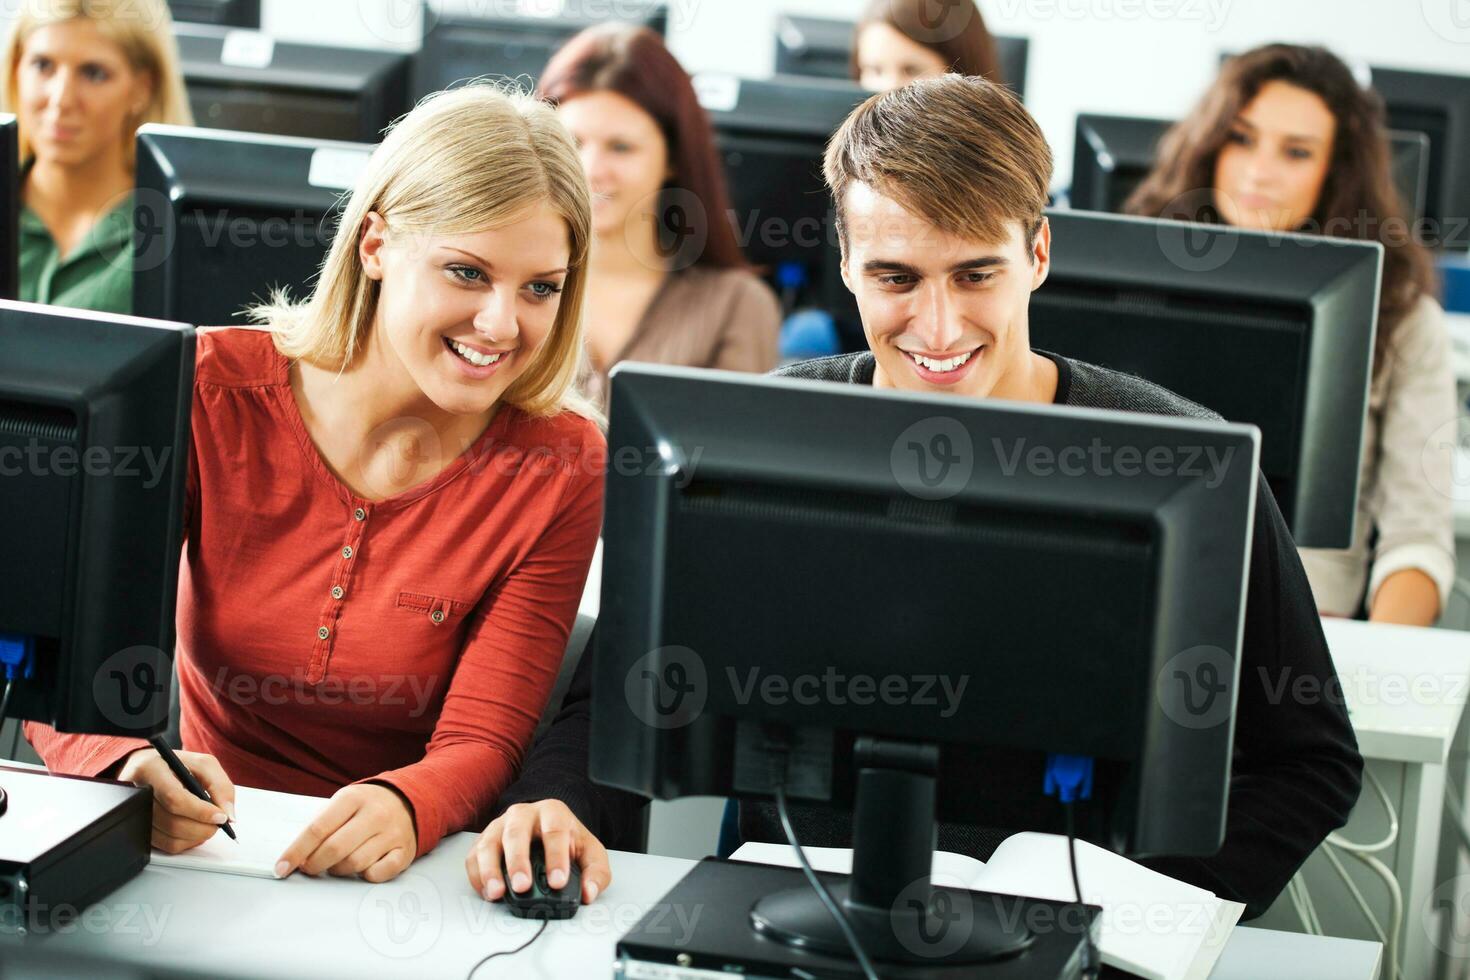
821	47
226	218
1409	158
9	208
1270	329
1438	106
1111	156
93	452
221	13
785	559
772	134
255	83
459	46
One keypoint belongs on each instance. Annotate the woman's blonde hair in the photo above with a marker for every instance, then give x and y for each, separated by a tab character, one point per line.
466	160
143	30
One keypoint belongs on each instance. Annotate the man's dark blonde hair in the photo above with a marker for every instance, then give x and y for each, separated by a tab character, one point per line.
960	152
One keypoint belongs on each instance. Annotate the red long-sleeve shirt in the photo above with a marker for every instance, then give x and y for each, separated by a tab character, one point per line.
324	639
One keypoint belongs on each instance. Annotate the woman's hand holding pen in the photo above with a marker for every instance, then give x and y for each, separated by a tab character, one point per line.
180	819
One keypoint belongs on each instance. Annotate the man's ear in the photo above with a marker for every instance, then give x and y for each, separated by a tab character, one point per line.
1041	254
842	267
370	246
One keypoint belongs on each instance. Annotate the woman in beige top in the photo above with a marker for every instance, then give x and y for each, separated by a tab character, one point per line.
667	280
1288	141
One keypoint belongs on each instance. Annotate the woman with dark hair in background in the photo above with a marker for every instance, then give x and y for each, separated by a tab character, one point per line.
667	280
1286	140
898	41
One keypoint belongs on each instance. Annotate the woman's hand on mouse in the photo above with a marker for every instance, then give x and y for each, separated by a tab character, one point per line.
181	820
563	839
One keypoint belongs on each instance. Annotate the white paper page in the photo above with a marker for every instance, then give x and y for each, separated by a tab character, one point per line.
267	824
948	868
1153	925
1214	944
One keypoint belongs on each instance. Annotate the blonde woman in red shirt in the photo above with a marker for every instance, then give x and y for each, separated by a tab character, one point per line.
394	495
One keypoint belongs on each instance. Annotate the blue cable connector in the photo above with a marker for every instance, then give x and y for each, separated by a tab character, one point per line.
1069	776
17	656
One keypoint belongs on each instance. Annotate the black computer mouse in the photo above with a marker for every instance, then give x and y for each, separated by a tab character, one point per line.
541	901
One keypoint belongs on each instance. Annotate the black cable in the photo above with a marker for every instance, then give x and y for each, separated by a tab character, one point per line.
510	952
1090	966
5	699
811	876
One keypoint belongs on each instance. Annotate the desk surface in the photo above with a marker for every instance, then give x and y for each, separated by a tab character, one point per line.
1405	687
428	922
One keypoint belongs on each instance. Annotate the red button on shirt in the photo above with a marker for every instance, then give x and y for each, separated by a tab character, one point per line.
325	639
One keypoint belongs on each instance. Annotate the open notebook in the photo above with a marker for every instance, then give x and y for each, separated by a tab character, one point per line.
266	824
1153	926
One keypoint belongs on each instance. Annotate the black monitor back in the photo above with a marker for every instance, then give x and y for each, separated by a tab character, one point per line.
225	218
772	135
1439	107
306	90
221	13
821	47
1112	155
1274	330
91	510
9	208
783	529
460	46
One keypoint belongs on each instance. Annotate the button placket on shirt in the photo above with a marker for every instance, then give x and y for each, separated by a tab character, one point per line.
347	557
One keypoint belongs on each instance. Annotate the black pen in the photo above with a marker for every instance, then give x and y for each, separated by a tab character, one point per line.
186	777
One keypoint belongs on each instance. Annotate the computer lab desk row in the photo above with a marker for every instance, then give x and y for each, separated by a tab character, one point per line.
1405	689
428	922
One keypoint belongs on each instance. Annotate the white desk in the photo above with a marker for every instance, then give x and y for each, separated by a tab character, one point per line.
428	923
1405	690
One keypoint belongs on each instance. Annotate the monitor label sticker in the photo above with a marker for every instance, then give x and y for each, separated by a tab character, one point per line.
248	49
717	92
336	168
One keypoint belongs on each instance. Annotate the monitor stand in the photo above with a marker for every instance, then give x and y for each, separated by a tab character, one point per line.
894	909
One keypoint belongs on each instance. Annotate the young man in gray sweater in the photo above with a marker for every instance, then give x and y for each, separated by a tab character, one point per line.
940	189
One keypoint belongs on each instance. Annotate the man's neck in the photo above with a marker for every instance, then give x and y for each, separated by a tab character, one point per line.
1034	378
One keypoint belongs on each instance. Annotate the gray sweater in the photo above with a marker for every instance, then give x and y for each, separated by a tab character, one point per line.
1296	771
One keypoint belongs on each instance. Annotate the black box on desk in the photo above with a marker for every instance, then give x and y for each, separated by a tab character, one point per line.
701	929
65	842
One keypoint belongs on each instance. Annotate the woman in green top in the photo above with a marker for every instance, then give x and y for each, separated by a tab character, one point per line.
81	77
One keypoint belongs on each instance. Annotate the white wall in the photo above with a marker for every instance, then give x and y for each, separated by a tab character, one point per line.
1136	57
